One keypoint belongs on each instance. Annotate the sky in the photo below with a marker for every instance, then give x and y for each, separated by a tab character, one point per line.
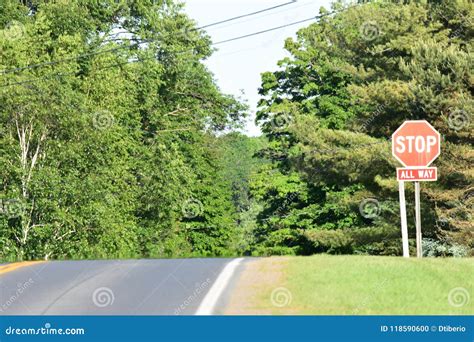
237	65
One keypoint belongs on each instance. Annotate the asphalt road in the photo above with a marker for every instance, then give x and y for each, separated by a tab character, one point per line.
112	287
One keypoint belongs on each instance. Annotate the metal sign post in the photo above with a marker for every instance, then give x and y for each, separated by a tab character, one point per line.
403	217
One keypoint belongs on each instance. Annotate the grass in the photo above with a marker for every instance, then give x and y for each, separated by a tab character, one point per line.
366	285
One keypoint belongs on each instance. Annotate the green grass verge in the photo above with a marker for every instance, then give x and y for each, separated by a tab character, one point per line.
366	285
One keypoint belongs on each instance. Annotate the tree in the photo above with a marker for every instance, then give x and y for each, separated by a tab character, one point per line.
240	162
107	119
329	111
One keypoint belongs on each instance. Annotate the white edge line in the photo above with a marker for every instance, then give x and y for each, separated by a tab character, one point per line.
210	300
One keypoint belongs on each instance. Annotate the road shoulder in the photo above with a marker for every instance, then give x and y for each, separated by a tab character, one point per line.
258	277
6	268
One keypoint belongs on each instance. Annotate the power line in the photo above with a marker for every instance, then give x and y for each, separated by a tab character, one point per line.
265	31
267	14
247	15
180	52
34	66
59	75
38	65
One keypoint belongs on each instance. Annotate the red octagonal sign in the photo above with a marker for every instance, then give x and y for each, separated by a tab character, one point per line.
416	143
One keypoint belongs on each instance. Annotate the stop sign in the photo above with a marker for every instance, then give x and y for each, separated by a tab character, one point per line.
416	143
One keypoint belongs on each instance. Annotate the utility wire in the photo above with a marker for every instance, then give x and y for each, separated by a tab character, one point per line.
180	52
38	65
267	30
305	4
247	15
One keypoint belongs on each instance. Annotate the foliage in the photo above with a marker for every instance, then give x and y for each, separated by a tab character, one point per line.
328	241
239	164
432	248
329	111
115	141
106	137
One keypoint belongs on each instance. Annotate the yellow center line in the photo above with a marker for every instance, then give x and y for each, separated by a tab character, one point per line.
13	266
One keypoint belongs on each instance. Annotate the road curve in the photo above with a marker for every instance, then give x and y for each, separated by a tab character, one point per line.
114	287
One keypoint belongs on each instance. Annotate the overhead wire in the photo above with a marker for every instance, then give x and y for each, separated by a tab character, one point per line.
184	51
43	64
216	43
248	15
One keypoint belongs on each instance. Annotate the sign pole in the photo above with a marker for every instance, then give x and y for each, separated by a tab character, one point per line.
403	219
419	251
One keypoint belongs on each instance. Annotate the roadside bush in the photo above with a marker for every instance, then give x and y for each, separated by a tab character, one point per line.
433	248
277	250
381	240
328	241
280	242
